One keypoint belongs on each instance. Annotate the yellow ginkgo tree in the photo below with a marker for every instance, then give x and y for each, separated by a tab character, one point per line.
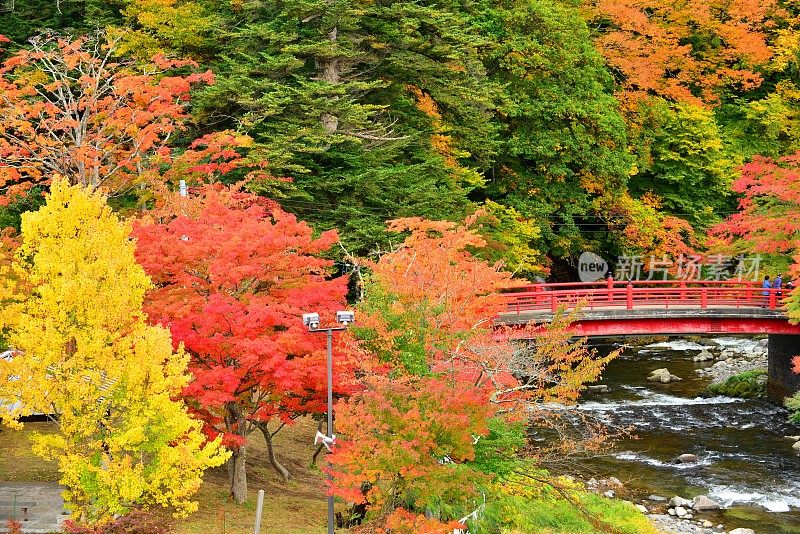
86	355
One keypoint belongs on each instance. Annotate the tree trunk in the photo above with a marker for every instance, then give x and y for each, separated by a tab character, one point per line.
237	464
237	474
330	74
264	427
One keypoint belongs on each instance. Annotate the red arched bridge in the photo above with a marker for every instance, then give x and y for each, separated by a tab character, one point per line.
620	308
612	308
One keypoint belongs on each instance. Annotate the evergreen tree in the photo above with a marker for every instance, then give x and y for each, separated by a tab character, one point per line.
564	142
332	93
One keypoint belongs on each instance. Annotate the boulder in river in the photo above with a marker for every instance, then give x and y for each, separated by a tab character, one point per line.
796	446
742	531
663	375
704	356
680	511
641	508
680	501
702	503
686	459
598	388
657	498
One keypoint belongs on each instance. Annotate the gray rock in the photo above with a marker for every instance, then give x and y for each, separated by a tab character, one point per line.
793	438
657	498
599	388
688	516
680	511
641	508
687	459
702	503
796	446
609	494
707	524
704	356
680	501
671	511
742	531
663	375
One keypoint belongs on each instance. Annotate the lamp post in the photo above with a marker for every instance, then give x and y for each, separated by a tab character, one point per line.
311	320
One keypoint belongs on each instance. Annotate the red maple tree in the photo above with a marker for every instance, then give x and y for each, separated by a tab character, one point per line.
233	274
768	220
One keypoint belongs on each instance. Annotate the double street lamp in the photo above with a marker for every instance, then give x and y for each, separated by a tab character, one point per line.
311	320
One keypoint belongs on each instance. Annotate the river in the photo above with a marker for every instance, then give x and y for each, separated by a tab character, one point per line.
745	462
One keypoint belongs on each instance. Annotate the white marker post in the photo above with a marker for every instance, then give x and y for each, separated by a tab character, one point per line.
259	509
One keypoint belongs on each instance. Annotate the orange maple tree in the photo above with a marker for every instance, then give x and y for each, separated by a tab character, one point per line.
642	230
406	438
73	108
683	51
768	220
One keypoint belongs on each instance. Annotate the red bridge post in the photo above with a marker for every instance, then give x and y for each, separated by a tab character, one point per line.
704	298
629	296
773	299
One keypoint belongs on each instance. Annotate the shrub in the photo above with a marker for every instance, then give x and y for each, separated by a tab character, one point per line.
746	385
136	522
793	405
551	514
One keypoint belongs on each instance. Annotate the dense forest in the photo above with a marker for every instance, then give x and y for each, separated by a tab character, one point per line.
190	188
610	126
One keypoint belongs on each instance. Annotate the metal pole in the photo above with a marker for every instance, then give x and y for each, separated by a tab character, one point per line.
331	518
259	511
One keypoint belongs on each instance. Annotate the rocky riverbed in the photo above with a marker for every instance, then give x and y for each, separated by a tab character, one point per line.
731	358
673	516
736	450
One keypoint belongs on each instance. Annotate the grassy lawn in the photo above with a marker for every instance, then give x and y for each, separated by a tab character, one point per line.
18	463
298	507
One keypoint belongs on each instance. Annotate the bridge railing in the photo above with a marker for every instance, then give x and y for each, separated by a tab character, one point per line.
657	294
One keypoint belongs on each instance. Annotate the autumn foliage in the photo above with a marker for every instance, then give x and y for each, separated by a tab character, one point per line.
233	275
84	353
73	108
768	219
683	51
404	441
428	314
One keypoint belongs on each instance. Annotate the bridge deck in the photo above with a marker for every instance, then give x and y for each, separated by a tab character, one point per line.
640	312
653	308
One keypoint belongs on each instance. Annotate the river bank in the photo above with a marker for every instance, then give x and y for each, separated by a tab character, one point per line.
743	460
733	356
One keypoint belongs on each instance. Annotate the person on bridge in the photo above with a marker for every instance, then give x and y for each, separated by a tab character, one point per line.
766	286
777	284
